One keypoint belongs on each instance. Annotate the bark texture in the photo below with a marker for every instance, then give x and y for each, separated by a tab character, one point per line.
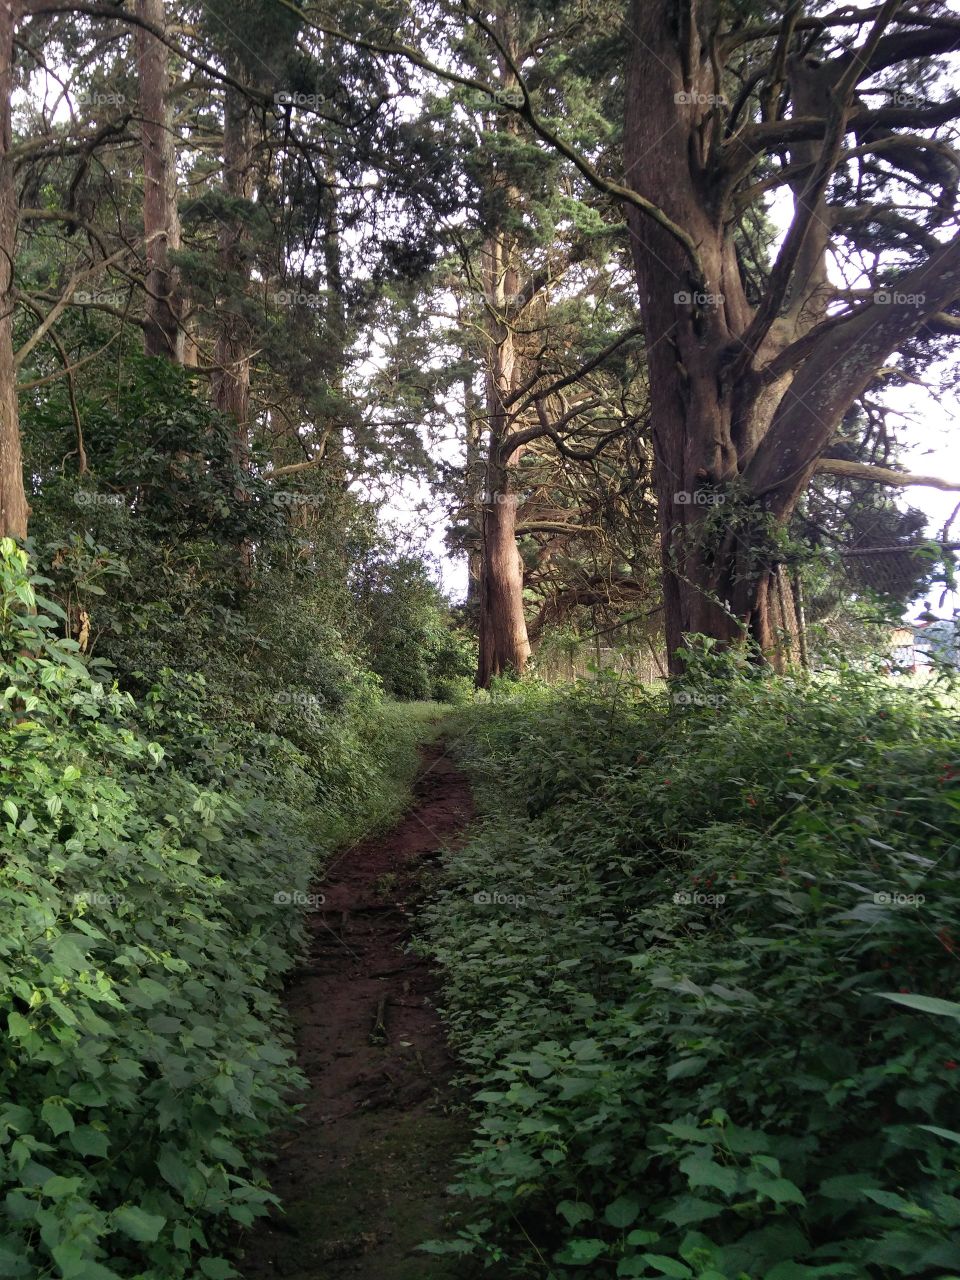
504	644
14	509
745	395
231	378
163	330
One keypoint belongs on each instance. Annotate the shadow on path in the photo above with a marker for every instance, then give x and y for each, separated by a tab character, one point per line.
363	1177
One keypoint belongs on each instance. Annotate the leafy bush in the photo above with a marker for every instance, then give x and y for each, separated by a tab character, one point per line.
410	638
153	870
707	992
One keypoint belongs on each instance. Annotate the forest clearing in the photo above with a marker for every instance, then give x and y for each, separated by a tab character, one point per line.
479	751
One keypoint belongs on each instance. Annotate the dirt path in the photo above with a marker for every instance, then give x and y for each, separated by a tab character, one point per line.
363	1177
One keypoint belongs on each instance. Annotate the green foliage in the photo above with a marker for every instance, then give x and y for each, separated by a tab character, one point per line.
150	891
146	541
142	954
709	1003
143	557
410	640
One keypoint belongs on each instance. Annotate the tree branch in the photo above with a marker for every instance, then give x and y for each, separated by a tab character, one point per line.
526	112
881	475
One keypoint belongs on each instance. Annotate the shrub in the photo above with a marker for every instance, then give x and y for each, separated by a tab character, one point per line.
710	1016
154	863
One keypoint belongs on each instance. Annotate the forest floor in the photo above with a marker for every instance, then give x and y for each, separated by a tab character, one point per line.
362	1179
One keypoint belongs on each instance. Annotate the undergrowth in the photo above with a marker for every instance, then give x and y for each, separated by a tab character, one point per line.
157	860
701	963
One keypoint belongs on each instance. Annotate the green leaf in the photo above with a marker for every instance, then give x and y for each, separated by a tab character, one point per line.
926	1004
779	1190
667	1266
891	1200
642	1237
622	1211
574	1211
56	1115
950	1134
10	809
138	1224
847	1186
688	1209
174	1170
703	1171
13	1265
797	1271
578	1253
89	1141
68	954
217	1268
18	1025
59	1187
685	1067
75	1263
147	992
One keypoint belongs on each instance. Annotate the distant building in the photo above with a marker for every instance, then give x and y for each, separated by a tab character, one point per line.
903	650
937	640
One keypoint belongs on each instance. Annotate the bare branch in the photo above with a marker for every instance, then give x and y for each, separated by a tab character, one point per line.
58	309
882	475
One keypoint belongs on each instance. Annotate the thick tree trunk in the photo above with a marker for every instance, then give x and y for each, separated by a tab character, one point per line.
744	399
719	572
163	333
504	644
14	509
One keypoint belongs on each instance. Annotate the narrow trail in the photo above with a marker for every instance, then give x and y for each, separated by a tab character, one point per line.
362	1179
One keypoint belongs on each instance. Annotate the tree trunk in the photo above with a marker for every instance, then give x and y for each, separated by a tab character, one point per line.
504	643
719	557
163	332
231	378
745	399
335	457
475	483
13	499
